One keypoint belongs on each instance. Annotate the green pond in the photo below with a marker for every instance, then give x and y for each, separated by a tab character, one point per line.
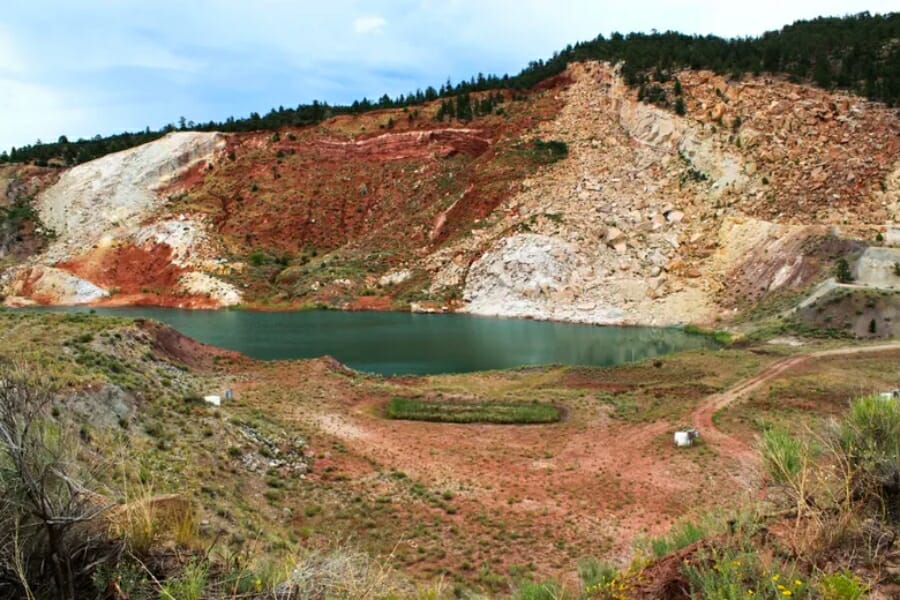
394	343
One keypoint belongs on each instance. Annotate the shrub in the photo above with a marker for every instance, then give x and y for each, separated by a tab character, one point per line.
870	438
841	586
258	258
736	575
842	271
546	590
595	574
45	496
551	151
782	455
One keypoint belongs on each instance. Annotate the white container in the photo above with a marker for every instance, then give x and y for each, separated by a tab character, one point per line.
683	439
214	400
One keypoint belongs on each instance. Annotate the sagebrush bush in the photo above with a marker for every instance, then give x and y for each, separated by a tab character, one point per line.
737	575
841	586
595	574
870	438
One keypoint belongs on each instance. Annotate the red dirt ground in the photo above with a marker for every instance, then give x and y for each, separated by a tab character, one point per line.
353	179
590	485
595	482
171	344
736	448
139	276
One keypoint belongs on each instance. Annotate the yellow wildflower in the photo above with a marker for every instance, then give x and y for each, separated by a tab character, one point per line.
776	577
787	593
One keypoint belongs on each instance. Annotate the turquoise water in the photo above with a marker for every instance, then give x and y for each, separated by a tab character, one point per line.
393	343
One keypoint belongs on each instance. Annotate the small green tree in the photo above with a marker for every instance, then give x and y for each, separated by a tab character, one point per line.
679	106
842	271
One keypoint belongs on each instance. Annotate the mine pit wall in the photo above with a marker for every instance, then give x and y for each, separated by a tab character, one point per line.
110	246
877	267
652	219
661	219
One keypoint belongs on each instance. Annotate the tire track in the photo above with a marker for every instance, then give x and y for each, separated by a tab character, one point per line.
729	445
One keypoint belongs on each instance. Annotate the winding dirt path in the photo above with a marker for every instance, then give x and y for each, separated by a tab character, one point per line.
728	445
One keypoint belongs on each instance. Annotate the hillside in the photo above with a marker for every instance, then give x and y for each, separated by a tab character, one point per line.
583	199
302	486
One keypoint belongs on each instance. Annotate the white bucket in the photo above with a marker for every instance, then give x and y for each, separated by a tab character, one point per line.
214	400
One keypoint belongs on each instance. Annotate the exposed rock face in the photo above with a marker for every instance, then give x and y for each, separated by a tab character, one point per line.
617	234
412	144
201	284
876	267
651	218
530	275
671	219
115	193
395	277
104	214
47	285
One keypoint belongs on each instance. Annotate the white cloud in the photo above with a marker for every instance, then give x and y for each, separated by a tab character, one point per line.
364	25
40	112
10	60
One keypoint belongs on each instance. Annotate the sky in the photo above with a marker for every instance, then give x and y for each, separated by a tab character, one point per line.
86	67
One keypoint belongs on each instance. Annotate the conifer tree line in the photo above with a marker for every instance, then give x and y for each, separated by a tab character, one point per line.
860	53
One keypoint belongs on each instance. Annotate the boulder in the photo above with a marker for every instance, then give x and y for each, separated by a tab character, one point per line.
395	277
614	236
675	216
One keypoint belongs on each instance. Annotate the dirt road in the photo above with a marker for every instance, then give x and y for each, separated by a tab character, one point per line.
734	447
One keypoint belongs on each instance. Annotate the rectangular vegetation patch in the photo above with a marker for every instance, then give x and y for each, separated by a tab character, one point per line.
449	411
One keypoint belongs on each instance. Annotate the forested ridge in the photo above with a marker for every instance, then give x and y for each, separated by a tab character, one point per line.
860	53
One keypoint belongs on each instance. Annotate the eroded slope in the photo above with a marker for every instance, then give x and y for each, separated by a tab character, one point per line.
574	201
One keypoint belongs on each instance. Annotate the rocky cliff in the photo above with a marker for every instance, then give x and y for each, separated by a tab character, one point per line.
724	194
657	218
